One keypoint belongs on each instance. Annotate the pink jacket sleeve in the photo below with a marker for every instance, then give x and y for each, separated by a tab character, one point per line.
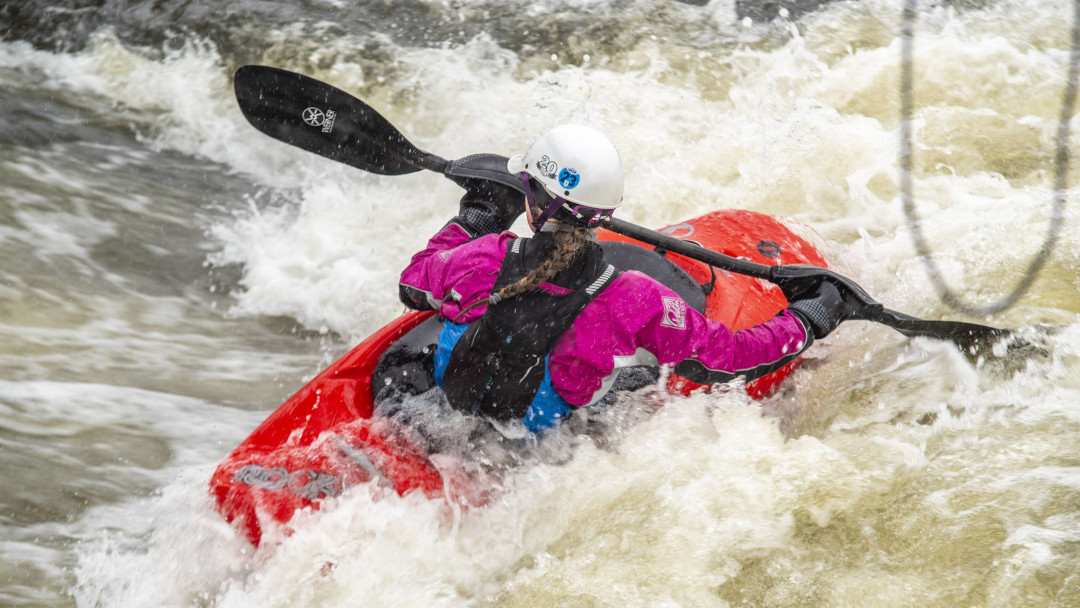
453	271
638	321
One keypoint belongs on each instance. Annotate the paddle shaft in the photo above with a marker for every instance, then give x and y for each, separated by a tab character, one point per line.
320	118
965	335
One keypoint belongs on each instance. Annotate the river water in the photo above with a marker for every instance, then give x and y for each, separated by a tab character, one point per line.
169	276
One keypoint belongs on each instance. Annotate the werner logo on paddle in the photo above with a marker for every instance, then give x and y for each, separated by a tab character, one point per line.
317	118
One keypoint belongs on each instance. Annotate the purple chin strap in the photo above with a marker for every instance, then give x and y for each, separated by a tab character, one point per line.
549	209
591	215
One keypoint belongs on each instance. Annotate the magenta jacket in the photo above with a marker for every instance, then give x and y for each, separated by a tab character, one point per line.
634	321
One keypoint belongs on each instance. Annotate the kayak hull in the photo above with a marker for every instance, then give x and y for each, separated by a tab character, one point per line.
325	438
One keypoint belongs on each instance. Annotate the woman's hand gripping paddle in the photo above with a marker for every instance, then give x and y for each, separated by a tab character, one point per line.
319	118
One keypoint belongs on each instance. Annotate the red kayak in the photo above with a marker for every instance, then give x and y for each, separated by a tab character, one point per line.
326	438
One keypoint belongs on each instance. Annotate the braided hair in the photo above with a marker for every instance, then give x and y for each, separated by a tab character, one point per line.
569	243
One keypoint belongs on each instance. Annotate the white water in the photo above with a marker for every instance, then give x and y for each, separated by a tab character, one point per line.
889	472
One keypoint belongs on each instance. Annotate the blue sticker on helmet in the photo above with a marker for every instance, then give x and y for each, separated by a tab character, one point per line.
568	178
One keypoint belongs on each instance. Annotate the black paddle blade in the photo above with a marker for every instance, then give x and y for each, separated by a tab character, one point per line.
320	118
795	278
968	336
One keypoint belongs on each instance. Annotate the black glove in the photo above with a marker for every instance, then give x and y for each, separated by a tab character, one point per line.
494	198
489	207
414	298
823	308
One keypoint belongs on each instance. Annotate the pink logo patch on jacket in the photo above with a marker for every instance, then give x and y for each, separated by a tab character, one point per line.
674	313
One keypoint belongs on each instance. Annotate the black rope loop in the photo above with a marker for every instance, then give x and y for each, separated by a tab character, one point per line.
1061	165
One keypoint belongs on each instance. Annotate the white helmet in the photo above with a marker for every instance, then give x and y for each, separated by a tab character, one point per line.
577	165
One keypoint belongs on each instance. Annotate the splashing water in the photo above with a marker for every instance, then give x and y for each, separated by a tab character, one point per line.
171	275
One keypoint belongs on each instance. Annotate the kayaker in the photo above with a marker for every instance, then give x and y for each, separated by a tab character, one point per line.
535	327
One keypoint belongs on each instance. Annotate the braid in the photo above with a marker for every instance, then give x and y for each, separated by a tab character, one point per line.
569	243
